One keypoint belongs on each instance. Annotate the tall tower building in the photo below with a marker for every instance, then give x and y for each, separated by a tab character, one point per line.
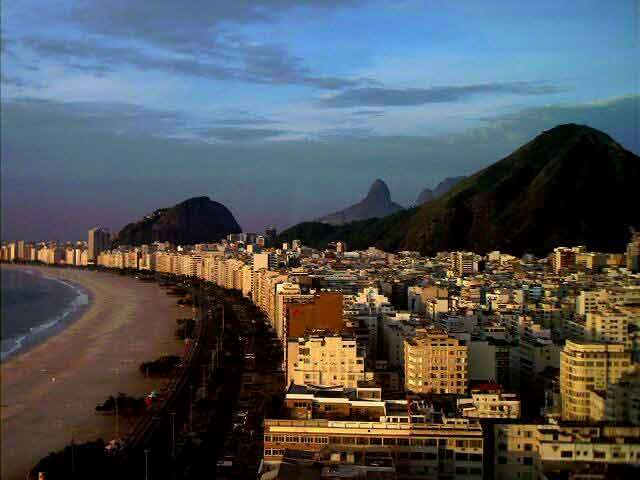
463	263
633	252
270	236
98	242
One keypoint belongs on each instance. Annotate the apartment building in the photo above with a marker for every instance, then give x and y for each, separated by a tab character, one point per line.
609	324
435	362
622	399
463	263
98	241
325	359
452	448
489	401
585	369
526	451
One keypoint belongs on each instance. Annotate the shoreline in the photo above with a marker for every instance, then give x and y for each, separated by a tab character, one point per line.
49	392
50	326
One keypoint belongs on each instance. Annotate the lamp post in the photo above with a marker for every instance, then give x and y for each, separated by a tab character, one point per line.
173	435
190	408
146	464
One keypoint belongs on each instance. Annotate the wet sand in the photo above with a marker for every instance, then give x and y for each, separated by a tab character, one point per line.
49	393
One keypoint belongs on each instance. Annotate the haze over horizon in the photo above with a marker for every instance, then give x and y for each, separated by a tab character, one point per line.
283	112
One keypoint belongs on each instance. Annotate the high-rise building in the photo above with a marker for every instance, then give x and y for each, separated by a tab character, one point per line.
435	363
98	242
586	371
325	360
633	252
463	263
622	402
268	261
21	251
270	236
564	257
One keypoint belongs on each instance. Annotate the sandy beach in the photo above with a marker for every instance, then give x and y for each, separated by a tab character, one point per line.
49	392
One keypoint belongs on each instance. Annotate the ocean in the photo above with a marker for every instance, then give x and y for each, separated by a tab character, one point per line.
34	306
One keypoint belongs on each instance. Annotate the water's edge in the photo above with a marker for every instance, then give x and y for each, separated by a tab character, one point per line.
52	325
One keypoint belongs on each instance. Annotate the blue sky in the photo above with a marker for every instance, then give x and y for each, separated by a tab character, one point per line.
285	110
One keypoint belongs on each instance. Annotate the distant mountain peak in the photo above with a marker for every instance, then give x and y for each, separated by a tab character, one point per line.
379	191
377	203
427	195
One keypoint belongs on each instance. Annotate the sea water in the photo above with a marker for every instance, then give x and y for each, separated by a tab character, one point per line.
33	306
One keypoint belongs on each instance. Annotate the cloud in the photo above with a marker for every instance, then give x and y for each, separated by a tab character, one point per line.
368	113
197	39
192	28
385	97
72	158
13	81
111	117
243	117
345	132
263	64
240	134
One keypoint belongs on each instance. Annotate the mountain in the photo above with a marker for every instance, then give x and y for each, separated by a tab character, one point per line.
571	185
386	232
196	220
376	204
428	195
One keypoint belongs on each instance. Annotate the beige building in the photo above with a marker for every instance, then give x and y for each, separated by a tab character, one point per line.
463	263
435	363
98	241
325	360
416	449
490	402
622	401
587	368
526	451
609	324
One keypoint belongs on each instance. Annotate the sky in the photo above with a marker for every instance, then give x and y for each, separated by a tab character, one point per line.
287	110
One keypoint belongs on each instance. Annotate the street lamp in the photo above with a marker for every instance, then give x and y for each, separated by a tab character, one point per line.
146	464
173	435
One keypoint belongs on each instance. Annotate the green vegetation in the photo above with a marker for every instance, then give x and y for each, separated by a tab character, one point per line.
186	327
570	185
161	367
85	460
386	233
127	406
185	301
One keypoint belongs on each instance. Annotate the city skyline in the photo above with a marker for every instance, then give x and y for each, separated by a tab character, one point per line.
284	113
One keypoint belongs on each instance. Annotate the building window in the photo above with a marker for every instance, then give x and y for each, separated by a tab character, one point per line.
566	454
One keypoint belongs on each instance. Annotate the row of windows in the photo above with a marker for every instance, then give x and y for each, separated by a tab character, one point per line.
295	439
273	451
386	441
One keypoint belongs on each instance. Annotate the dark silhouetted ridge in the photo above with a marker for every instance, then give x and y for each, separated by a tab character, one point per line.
196	220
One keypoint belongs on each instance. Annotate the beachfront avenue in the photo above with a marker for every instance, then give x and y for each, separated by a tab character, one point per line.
192	417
